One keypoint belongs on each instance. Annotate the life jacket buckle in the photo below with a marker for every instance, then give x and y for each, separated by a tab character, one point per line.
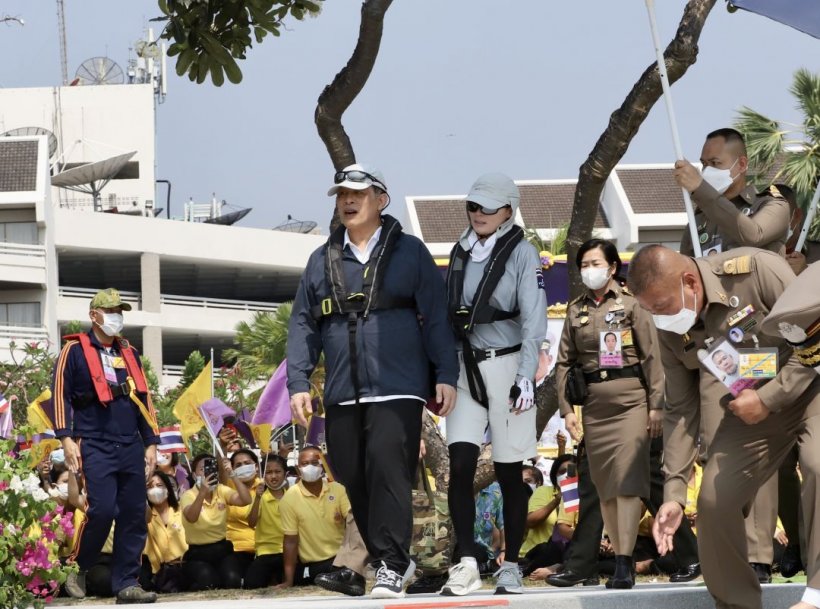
327	306
356	296
463	311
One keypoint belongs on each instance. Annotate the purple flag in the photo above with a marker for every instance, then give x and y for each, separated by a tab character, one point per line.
274	404
213	412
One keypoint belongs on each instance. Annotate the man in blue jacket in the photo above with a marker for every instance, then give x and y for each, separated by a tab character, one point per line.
374	302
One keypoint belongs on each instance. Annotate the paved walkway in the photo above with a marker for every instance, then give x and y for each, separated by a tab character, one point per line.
645	596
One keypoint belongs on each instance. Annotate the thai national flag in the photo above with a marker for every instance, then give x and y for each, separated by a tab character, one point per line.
569	494
170	440
4	404
5	418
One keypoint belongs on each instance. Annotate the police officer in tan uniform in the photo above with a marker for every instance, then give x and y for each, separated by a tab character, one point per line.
699	306
796	317
730	213
625	400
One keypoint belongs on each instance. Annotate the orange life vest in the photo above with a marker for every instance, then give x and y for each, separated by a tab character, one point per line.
94	361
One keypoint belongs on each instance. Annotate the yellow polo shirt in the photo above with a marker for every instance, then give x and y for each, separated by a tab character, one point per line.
541	497
165	542
269	533
240	534
318	521
212	523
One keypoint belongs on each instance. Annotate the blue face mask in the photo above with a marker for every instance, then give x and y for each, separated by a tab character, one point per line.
58	456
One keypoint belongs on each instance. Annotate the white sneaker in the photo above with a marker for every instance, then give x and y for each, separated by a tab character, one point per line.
390	583
462	580
508	580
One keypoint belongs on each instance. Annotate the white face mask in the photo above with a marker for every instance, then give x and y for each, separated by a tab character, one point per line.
245	472
112	324
157	495
719	179
291	480
58	456
280	486
595	277
532	486
163	459
560	478
682	321
311	473
62	490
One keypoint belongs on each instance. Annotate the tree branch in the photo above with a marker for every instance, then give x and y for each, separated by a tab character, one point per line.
624	124
348	83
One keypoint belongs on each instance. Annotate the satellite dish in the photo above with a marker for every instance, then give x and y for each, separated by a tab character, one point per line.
52	139
296	226
91	178
99	71
230	218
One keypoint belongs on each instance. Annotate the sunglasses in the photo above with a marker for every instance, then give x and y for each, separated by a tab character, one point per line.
358	176
487	211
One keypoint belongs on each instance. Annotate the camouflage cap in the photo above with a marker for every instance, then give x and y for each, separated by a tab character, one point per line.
108	299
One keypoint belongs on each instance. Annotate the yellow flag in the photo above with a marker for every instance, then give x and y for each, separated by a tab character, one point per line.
261	433
186	408
40	450
37	418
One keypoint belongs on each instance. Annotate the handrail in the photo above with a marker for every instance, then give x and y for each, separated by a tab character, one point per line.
185	301
23	333
22	249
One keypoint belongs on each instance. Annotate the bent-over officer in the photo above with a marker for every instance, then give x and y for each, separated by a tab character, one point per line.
719	303
730	212
104	418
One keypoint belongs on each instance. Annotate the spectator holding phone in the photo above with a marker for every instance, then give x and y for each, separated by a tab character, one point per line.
209	561
245	466
166	543
268	566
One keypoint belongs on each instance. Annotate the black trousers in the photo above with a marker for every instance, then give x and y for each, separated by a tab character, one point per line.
265	570
582	555
373	450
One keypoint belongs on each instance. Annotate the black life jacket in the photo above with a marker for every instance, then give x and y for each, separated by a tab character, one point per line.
463	318
355	305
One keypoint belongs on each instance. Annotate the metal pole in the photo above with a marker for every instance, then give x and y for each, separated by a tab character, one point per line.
810	213
670	110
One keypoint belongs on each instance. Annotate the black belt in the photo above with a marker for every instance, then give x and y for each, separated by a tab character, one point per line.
601	376
481	354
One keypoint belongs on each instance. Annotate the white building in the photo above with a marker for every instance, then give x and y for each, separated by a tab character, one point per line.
189	283
640	204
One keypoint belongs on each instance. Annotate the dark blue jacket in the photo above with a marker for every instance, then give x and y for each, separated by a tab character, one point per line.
77	416
395	350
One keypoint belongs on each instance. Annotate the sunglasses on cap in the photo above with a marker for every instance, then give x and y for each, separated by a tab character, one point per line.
356	175
487	211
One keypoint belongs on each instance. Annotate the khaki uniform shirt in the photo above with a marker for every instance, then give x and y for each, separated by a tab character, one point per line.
750	219
580	340
695	397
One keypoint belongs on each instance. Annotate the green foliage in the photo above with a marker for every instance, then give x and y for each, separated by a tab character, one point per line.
794	149
210	35
73	327
31	523
261	344
25	376
558	244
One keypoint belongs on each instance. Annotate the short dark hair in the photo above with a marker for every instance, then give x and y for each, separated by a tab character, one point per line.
608	249
169	486
644	268
245	451
730	136
276	459
57	470
557	464
612	334
539	477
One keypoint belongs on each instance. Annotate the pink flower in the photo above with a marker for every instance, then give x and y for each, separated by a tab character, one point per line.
47	517
3	485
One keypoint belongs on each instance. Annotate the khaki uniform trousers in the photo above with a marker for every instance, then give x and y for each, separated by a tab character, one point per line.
740	457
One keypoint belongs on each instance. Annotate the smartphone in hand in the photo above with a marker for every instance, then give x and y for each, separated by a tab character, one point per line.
211	472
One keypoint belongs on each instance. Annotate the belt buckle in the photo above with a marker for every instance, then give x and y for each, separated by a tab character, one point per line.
490	353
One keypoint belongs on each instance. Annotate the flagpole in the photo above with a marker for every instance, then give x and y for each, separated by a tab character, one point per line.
670	111
212	372
211	434
810	213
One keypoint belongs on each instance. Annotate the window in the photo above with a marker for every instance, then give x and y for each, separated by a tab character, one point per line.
25	314
19	232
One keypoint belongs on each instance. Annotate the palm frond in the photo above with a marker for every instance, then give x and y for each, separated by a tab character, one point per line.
801	170
806	89
532	237
764	139
558	245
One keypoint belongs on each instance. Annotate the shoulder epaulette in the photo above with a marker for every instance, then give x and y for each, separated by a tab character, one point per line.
737	266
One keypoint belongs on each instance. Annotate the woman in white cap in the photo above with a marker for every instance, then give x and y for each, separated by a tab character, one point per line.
497	308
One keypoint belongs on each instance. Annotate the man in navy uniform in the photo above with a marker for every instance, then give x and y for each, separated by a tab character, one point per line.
104	418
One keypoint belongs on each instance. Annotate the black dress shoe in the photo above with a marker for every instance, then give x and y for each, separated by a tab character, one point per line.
686	574
791	564
342	580
565	579
763	572
624	577
427	583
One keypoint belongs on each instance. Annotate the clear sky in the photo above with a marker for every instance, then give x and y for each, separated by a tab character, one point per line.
460	87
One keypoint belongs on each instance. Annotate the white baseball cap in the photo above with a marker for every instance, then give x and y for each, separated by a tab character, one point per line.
358	176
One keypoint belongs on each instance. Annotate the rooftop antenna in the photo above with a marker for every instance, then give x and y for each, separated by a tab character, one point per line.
63	45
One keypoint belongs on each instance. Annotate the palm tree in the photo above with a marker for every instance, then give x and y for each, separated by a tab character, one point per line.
261	344
785	153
